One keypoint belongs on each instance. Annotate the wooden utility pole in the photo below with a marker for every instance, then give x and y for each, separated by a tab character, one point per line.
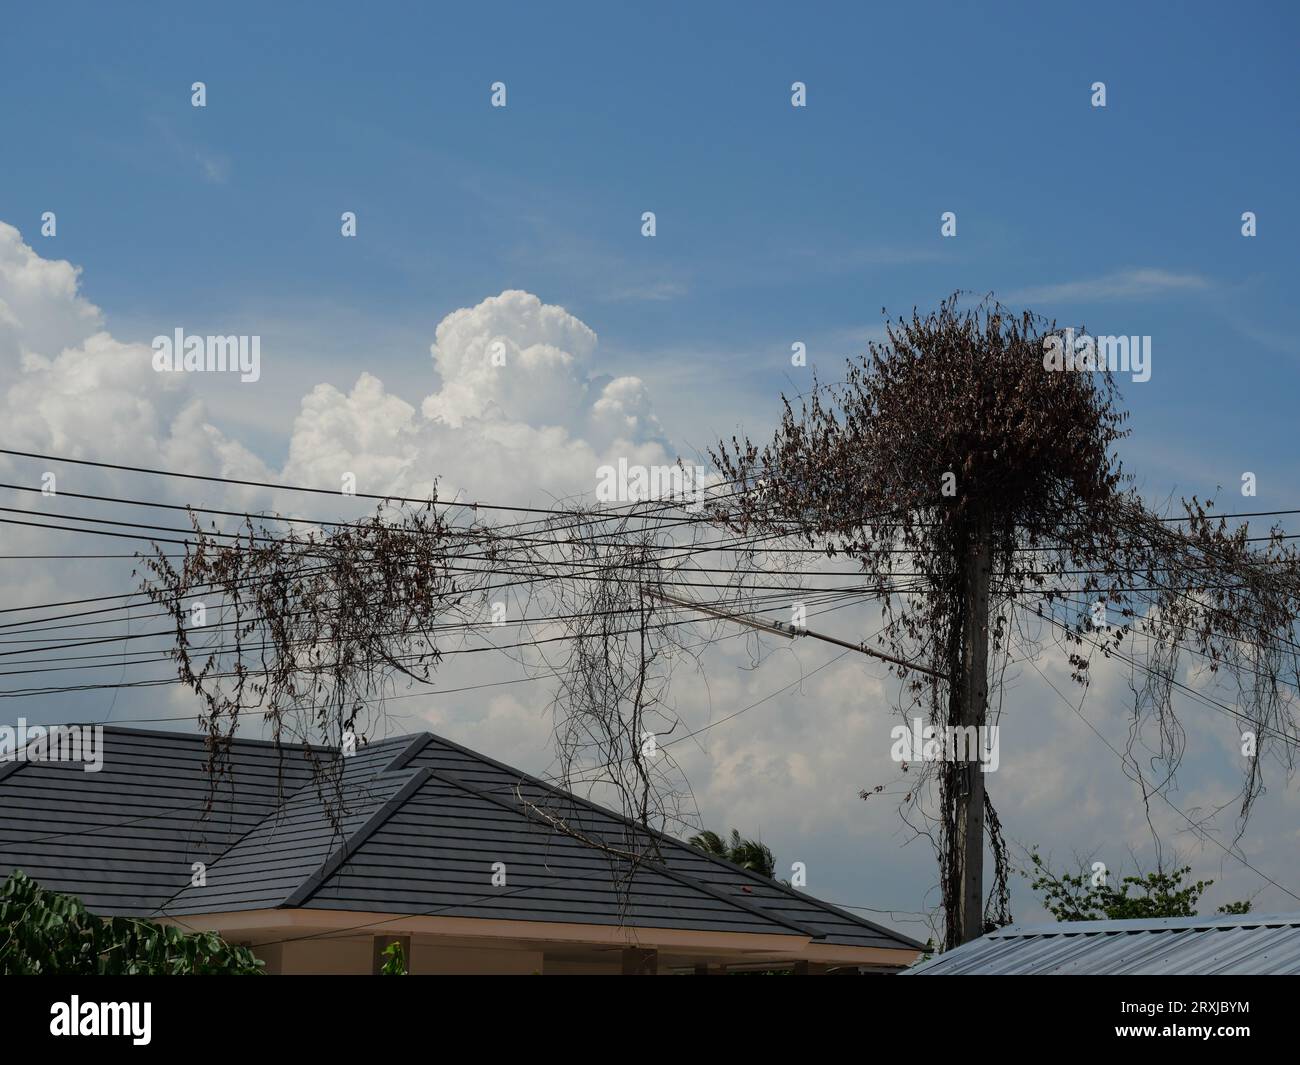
969	690
972	707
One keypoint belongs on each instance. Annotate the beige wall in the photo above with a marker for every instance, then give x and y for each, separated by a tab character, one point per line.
429	957
559	966
340	957
297	941
355	956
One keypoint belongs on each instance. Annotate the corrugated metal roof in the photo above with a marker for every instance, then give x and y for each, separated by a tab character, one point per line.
419	822
1267	944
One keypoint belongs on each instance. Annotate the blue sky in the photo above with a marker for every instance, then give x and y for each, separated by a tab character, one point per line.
775	224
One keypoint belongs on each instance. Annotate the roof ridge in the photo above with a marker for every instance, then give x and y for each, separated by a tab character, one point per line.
416	743
279	810
351	843
202	737
161	910
731	866
199	736
672	874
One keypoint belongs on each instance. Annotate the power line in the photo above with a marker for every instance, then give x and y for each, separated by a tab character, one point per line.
792	632
210	478
431	655
1201	697
468	627
550	672
1200	831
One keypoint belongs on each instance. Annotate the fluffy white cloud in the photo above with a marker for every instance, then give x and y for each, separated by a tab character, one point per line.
511	357
518	416
71	388
41	311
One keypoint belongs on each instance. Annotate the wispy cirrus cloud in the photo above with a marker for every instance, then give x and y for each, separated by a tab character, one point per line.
215	168
1130	284
212	165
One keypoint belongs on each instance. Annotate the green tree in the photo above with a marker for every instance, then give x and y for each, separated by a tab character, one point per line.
45	933
1075	896
749	854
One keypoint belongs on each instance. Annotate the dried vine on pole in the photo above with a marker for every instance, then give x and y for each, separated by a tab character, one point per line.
953	456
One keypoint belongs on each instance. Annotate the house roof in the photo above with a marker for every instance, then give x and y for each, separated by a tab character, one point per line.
419	822
1193	946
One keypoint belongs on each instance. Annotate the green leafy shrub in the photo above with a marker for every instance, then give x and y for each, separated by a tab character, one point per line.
43	932
1075	897
394	960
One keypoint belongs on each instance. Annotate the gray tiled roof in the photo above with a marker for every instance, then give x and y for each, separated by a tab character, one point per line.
417	823
1188	946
